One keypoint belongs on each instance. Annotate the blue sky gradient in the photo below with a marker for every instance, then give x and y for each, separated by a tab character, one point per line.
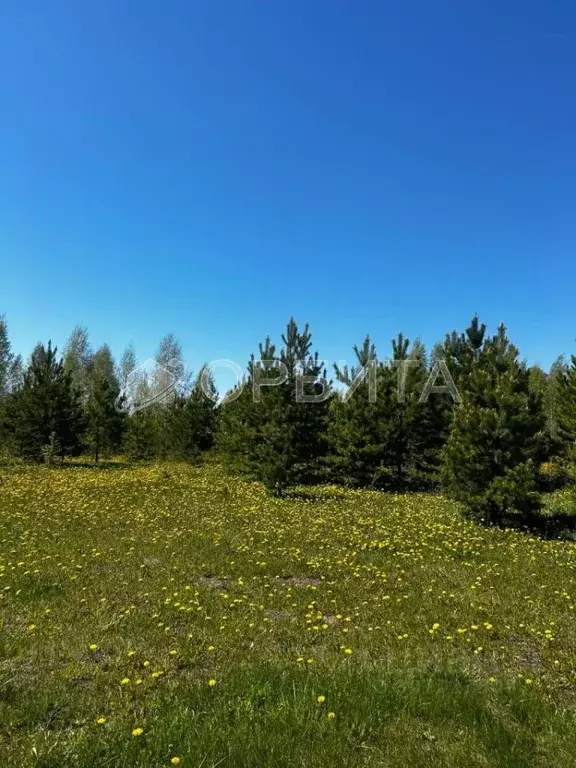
212	168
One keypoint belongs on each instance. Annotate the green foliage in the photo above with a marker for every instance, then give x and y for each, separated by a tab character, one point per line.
390	440
566	409
142	436
6	356
278	434
190	420
181	427
52	451
78	361
45	411
461	352
104	421
498	439
10	377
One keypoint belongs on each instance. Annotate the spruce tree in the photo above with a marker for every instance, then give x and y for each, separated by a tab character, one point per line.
497	439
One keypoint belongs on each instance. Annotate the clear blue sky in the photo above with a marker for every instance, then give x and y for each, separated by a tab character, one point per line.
210	168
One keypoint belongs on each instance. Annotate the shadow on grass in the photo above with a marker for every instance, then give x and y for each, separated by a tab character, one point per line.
561	525
298	494
101	465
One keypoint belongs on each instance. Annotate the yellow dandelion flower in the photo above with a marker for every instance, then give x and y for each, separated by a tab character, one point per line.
137	731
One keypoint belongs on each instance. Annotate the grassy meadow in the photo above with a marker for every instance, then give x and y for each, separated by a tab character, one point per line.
173	615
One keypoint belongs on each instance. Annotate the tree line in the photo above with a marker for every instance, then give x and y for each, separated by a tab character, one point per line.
301	425
82	402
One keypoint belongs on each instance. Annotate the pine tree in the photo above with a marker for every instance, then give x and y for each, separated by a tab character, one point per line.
460	352
237	426
278	431
191	419
497	440
566	409
104	421
45	411
355	425
387	438
141	437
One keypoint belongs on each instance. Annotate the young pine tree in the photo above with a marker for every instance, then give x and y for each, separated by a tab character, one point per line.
142	436
355	432
45	410
497	440
191	419
565	409
381	435
104	421
273	430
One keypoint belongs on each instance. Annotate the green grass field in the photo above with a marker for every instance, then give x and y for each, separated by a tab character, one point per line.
175	615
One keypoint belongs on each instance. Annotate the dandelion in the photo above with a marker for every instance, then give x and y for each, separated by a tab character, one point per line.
348	651
93	647
101	720
125	681
211	682
331	715
137	731
175	761
321	699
